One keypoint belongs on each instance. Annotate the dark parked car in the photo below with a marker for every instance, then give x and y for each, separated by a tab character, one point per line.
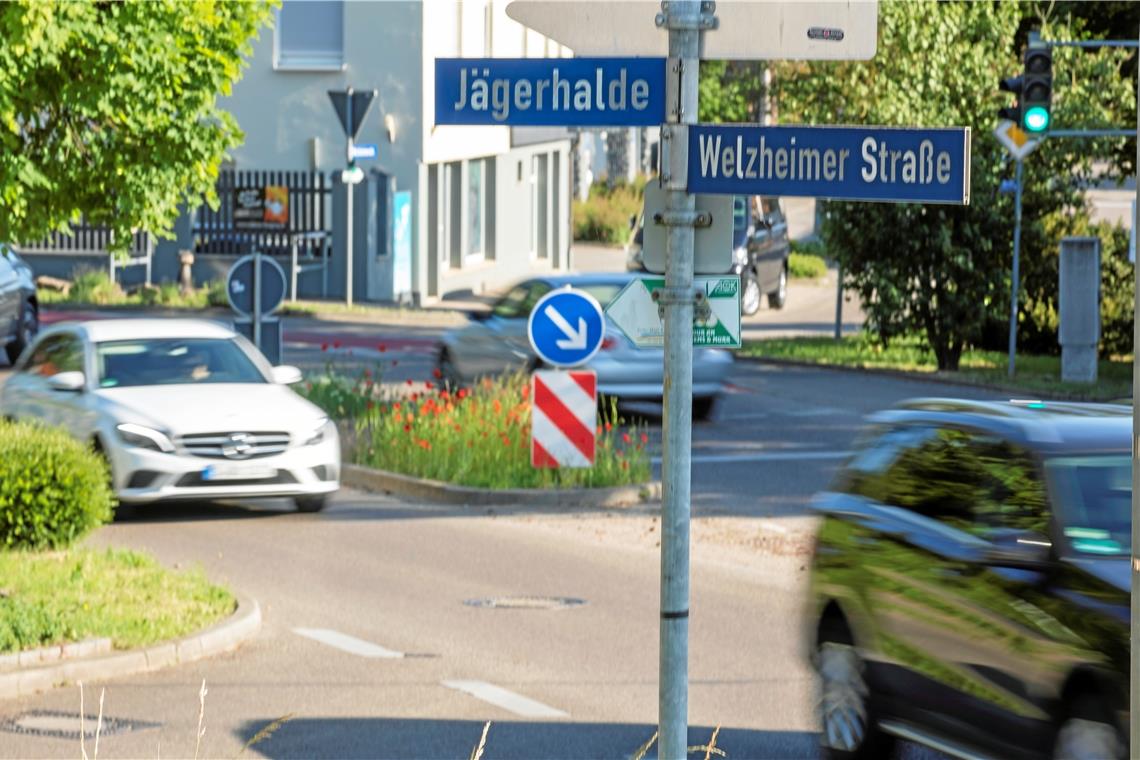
760	249
970	582
19	307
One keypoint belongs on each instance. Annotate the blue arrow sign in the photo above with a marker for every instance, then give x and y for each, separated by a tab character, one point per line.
553	92
899	165
566	327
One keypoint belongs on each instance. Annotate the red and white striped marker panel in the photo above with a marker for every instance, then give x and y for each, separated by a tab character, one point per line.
563	418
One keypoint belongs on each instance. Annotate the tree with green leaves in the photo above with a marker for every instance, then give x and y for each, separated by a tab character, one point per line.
108	110
944	270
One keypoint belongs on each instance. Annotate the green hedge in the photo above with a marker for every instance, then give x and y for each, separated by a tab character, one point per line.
53	489
806	266
604	216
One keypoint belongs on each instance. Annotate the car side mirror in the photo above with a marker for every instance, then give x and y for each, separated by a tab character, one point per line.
285	374
1023	550
67	382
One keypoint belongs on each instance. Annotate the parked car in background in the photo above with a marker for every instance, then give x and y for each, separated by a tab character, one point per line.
760	250
19	304
495	342
970	582
181	409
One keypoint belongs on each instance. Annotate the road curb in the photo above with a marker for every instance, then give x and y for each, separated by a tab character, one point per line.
930	378
368	479
230	633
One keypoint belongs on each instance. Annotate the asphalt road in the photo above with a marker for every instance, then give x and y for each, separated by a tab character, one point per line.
398	578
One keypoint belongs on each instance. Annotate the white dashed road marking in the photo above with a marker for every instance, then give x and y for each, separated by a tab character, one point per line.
508	700
346	643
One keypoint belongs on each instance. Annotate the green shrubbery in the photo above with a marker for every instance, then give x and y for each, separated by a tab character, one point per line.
93	287
804	265
53	489
604	216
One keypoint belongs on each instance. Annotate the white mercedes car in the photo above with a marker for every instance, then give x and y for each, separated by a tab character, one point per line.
182	409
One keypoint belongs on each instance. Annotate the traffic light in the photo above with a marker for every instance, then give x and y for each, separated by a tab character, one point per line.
1037	90
1034	91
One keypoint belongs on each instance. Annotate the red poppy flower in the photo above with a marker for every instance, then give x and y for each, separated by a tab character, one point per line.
444	395
396	407
644	438
599	430
506	441
381	348
407	428
324	346
336	344
609	427
625	465
428	385
409	382
462	393
525	391
625	438
369	406
437	374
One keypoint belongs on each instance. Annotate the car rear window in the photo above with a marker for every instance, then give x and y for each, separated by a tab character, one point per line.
173	361
1094	502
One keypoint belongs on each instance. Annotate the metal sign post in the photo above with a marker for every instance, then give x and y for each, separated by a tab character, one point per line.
1014	285
351	108
684	19
1134	667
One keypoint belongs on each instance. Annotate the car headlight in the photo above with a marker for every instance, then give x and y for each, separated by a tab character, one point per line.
325	431
740	255
143	437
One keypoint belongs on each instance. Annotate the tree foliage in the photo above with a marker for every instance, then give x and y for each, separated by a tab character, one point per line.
108	110
944	271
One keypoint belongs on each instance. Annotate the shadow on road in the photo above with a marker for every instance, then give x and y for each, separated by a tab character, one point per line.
199	511
415	738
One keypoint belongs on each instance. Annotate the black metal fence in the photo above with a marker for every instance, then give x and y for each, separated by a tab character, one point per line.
310	216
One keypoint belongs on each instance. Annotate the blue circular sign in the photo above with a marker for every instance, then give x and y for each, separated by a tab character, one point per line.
566	327
240	285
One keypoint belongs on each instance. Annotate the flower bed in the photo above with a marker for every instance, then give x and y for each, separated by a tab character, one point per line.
477	436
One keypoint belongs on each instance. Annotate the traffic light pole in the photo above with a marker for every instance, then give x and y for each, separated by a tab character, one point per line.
1015	287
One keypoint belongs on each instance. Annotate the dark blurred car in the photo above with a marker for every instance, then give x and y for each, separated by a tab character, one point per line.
760	249
495	342
970	583
19	306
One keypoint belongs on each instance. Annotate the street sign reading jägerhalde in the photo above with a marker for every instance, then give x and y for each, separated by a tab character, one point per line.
894	164
583	92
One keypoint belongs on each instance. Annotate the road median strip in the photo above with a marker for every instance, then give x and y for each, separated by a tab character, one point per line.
368	479
230	633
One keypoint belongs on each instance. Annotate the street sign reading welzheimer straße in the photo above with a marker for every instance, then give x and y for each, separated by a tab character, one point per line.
636	313
894	164
597	92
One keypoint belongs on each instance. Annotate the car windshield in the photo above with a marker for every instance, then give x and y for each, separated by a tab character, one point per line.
1094	502
603	292
173	361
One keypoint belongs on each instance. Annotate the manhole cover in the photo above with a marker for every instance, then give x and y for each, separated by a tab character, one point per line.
67	725
527	602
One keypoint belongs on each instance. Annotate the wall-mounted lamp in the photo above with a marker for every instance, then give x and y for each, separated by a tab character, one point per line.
390	127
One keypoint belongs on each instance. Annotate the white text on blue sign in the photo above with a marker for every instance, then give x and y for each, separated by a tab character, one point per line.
849	163
550	92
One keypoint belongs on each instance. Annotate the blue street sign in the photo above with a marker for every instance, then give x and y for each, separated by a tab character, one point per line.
566	327
1007	186
900	165
553	92
366	150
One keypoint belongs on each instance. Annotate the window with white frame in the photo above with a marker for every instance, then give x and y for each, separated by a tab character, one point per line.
476	209
310	35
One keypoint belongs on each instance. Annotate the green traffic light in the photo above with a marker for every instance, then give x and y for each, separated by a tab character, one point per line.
1037	119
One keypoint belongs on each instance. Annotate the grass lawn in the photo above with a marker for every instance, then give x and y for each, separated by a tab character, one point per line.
55	597
1036	375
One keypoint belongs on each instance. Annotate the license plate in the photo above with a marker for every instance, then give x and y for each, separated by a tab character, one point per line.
238	472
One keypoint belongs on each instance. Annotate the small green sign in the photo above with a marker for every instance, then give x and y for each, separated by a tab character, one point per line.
636	313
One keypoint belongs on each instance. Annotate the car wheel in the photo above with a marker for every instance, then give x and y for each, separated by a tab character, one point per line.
750	297
448	374
848	730
703	407
26	333
1089	733
778	297
311	503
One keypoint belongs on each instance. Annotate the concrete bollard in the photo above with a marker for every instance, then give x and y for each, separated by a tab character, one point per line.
1079	303
186	259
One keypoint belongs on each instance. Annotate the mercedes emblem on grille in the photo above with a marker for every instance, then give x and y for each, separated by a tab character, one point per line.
238	446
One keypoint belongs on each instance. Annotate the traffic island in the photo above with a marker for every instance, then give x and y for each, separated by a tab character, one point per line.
368	479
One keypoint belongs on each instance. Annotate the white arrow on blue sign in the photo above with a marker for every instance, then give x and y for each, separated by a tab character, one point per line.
366	150
566	327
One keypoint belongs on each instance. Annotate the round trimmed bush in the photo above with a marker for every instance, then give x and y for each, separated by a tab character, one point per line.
53	489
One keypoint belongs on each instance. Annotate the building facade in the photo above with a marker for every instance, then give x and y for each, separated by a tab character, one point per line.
485	205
